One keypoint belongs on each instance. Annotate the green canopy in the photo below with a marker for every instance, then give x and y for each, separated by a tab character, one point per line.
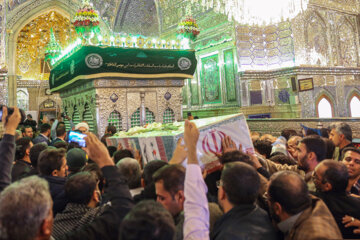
91	62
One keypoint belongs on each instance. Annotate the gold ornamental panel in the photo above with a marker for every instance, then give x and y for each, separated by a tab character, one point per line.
284	25
286	41
285	33
257	31
273	52
243	38
270	29
255	85
272	45
259	46
31	42
271	37
244	45
243	30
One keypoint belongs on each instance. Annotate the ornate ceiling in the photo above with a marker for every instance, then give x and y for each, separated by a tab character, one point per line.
33	38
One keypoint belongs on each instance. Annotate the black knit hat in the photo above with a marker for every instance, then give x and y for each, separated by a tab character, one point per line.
76	159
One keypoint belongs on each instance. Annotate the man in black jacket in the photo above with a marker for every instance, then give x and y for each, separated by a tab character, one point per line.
44	135
22	165
242	219
331	180
53	167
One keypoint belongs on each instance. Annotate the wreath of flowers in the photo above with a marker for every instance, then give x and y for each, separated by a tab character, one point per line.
86	16
188	28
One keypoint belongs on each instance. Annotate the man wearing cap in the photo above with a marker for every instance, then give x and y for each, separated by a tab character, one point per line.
82	127
76	159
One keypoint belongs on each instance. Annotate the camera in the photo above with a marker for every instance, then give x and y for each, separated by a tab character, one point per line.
11	111
78	138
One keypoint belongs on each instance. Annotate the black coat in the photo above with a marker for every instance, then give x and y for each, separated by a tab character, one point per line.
57	191
341	204
20	170
7	153
106	226
244	222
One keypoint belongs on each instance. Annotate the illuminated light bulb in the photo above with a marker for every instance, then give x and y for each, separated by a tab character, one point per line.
100	38
112	38
154	40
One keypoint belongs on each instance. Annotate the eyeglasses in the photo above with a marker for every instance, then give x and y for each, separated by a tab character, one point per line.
219	183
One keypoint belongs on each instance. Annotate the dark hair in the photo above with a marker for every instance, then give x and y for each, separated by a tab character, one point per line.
80	187
147	220
263	147
22	145
310	132
61	144
353	149
287	133
282	159
29	115
45	127
150	168
290	191
111	150
94	169
60	131
173	177
35	153
118	155
330	148
72	145
52	119
50	160
235	156
61	123
324	132
241	183
336	174
112	129
25	127
103	139
315	144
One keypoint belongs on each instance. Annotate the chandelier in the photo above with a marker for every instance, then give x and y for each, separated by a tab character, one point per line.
256	12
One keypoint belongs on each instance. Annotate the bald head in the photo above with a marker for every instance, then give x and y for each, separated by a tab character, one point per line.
290	191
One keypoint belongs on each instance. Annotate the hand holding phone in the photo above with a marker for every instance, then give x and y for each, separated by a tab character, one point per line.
78	138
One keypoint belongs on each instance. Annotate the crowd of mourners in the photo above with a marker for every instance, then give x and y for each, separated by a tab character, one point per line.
300	185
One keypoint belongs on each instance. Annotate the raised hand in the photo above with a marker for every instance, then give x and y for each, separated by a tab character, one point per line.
97	151
179	154
191	136
11	122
